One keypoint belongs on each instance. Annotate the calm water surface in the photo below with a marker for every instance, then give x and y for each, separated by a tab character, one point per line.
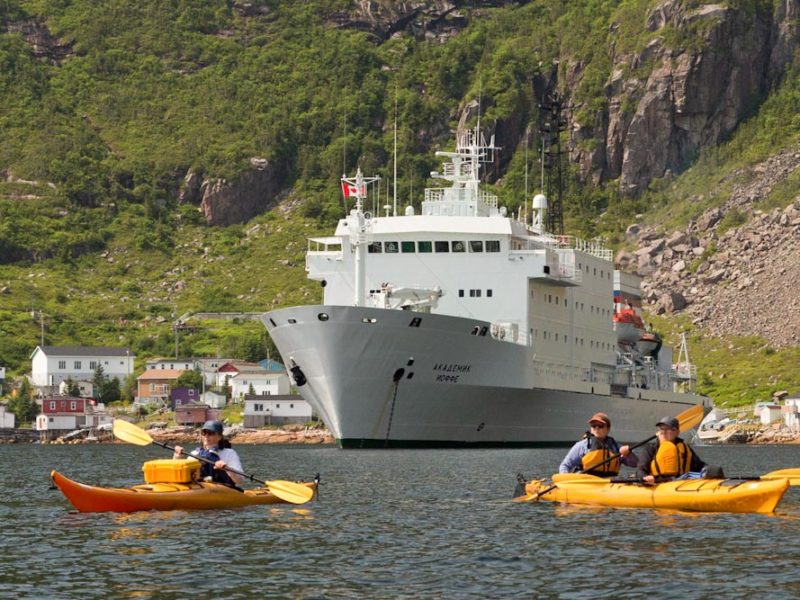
389	524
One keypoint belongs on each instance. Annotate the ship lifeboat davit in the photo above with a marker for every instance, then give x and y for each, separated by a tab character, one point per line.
629	326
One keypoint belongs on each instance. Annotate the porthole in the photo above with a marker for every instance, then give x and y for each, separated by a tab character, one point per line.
323	316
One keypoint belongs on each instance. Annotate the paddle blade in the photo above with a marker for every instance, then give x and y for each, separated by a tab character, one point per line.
288	491
691	417
128	432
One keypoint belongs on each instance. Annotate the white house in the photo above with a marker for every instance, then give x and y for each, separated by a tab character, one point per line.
275	410
86	388
171	364
50	365
6	417
791	414
249	378
214	399
768	412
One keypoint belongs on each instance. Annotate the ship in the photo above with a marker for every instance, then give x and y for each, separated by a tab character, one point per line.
467	326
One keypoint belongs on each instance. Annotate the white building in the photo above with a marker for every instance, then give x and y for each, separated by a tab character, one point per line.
214	399
86	389
50	365
791	414
248	378
768	413
7	418
275	410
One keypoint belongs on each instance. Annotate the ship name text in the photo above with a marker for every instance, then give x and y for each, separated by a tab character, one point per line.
446	372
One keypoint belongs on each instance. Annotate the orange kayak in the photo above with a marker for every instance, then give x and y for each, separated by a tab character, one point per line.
161	496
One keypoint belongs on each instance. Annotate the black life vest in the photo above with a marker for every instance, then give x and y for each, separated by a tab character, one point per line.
208	470
597	453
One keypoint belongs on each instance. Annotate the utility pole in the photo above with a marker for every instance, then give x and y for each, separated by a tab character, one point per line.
41	315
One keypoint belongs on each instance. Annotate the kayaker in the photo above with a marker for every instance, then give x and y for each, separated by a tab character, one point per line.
215	447
669	457
593	453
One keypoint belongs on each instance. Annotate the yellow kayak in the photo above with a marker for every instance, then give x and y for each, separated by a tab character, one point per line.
704	495
161	496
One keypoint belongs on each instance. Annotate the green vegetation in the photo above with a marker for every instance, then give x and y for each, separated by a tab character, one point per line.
98	136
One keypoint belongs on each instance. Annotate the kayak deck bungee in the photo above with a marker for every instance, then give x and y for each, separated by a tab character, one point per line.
162	496
703	495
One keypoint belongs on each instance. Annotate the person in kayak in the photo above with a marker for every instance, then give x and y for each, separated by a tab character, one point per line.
669	457
215	448
597	453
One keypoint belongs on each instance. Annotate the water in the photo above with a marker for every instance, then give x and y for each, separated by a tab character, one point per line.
390	524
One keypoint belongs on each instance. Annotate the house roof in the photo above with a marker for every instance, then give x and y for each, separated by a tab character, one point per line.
84	351
272	365
160	374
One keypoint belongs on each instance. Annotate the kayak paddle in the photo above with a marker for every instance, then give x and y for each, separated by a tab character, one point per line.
288	491
689	418
793	475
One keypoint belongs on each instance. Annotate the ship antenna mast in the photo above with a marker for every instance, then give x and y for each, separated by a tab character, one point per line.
359	229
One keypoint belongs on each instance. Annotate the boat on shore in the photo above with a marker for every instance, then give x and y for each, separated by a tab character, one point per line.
466	326
162	496
699	495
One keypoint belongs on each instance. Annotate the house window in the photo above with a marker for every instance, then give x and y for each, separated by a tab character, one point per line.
73	405
258	407
460	293
77	365
291	406
52	405
92	365
62	364
488	293
277	406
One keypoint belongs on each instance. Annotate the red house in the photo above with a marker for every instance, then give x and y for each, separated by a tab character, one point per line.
64	405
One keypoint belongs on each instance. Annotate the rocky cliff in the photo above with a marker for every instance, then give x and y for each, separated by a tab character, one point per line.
667	102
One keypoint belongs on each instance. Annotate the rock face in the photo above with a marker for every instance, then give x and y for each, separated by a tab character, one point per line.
690	98
226	203
735	270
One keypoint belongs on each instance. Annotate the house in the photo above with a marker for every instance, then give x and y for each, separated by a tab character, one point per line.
791	414
260	410
170	364
50	365
183	395
194	413
214	399
768	412
250	378
154	386
86	388
7	418
61	414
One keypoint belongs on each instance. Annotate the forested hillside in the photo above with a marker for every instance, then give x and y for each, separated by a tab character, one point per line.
132	130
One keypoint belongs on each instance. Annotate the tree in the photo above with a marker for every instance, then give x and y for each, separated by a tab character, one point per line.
72	387
111	391
192	379
98	382
23	405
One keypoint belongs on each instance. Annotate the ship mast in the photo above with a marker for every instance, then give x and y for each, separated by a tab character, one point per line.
359	229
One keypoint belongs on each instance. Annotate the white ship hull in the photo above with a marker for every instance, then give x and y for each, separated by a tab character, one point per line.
377	381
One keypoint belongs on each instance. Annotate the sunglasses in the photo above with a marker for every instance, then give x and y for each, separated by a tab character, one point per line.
204	432
597	425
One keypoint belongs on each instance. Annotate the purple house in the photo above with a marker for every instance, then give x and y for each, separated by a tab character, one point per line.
183	395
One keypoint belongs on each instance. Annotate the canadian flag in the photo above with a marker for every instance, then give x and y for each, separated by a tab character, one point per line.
352	190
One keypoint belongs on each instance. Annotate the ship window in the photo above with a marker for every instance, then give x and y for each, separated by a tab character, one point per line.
292	321
369	320
415	322
391	247
476	246
424	247
493	245
474	293
323	316
441	246
460	293
407	246
410	375
376	248
488	293
475	330
459	247
484	329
